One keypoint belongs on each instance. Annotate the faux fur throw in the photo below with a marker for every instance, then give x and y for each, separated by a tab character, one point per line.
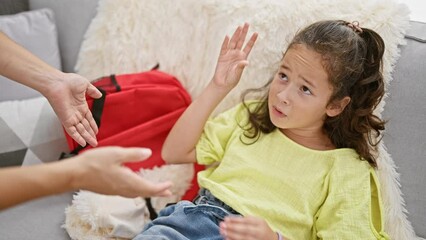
184	37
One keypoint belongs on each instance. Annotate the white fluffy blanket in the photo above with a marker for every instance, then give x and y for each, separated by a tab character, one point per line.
184	36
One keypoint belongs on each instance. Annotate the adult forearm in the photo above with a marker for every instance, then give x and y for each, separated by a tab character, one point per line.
179	146
20	184
22	66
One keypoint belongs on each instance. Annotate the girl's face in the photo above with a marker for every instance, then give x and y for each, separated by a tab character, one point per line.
300	92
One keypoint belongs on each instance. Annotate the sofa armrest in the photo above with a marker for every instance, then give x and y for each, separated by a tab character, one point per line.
406	130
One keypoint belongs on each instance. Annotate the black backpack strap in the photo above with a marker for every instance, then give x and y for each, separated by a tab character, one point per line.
74	152
98	107
156	67
114	81
152	213
98	104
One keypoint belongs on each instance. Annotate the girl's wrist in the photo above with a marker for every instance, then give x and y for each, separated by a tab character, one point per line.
217	91
225	88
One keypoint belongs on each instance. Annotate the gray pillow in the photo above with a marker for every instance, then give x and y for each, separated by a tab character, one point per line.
75	17
35	31
31	133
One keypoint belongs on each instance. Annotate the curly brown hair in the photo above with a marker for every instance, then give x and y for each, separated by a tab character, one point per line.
353	60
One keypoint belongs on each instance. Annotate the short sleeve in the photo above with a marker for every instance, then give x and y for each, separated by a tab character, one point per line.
216	134
352	207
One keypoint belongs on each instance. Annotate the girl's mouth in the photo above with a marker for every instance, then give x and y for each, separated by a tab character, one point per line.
277	112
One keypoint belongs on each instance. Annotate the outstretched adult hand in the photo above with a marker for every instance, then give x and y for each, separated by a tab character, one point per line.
246	228
98	170
233	57
64	91
101	170
67	96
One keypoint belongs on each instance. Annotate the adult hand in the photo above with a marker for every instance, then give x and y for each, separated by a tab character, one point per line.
66	92
246	228
101	170
233	58
67	96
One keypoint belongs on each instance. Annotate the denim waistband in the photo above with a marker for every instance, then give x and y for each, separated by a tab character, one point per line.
206	197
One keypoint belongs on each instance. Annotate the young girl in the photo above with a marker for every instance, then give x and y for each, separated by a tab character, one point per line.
297	164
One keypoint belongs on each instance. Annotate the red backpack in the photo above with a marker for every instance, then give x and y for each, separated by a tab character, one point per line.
138	110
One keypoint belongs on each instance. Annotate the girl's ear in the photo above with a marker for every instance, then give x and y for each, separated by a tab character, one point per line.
337	107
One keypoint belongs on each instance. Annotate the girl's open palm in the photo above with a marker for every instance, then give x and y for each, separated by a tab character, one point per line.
233	57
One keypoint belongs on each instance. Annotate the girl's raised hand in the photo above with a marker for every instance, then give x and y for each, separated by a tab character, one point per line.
233	58
246	228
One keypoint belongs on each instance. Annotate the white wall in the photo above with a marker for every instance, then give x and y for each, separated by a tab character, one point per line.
418	9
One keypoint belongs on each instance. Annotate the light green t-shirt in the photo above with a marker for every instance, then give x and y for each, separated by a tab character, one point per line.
303	193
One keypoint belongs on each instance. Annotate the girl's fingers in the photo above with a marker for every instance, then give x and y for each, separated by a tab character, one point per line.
242	37
241	65
236	219
238	231
249	46
225	44
237	40
235	37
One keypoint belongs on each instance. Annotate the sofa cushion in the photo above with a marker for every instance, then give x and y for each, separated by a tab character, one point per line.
75	17
38	219
31	133
39	26
406	130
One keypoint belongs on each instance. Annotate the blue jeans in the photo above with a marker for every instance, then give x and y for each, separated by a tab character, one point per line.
189	220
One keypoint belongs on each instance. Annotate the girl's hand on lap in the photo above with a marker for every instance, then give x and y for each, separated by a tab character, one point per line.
246	228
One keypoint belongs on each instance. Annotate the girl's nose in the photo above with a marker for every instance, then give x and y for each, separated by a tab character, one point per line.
284	95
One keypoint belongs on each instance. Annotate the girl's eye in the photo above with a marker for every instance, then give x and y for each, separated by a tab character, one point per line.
282	76
306	90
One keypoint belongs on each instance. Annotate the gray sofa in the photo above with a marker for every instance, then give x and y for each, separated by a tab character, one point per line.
405	134
404	137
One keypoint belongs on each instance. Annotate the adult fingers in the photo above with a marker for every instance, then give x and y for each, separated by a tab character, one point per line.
119	155
74	134
139	186
89	129
92	122
133	154
157	189
81	129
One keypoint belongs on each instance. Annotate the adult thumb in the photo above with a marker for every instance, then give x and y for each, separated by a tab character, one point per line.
93	92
